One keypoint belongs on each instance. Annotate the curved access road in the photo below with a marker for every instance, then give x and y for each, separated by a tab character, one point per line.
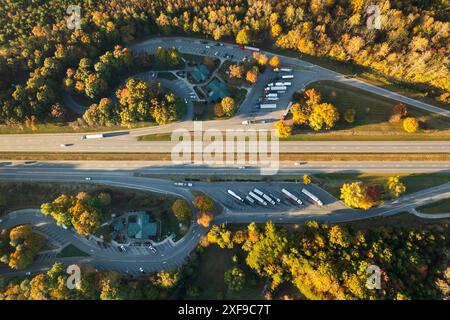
173	254
305	73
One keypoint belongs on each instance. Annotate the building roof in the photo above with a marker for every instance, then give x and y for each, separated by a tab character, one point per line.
142	228
200	72
218	90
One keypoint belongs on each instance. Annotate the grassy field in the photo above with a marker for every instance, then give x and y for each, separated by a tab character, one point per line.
23	195
372	115
420	92
213	263
414	182
71	251
64	128
442	206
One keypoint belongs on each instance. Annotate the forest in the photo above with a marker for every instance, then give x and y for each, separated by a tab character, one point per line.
320	261
37	49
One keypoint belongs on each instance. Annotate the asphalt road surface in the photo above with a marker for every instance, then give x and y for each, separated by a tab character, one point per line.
173	255
125	141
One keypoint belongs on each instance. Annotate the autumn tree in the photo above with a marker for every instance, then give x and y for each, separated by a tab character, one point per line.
204	218
410	124
354	195
307	179
228	106
251	76
323	116
243	36
274	62
26	244
234	278
236	71
182	210
283	130
350	115
203	203
395	186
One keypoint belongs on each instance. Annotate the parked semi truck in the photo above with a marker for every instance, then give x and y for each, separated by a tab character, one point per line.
291	196
277	88
268	106
249	199
257	198
262	194
312	197
234	195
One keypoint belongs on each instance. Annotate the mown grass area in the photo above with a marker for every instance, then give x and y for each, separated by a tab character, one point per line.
65	128
414	182
24	195
156	137
441	206
372	118
213	263
416	91
71	251
39	156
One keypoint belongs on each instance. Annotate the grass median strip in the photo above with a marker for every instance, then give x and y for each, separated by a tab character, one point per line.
71	251
441	206
73	156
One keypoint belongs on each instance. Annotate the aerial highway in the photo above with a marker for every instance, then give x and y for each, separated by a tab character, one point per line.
117	168
173	254
126	140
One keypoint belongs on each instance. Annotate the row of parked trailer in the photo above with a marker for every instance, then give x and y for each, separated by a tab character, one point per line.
263	199
274	90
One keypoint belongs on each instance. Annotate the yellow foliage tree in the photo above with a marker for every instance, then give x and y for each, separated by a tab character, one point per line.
410	124
243	36
307	179
323	116
395	186
283	130
274	62
355	196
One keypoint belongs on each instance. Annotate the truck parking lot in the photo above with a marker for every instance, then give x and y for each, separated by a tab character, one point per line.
242	196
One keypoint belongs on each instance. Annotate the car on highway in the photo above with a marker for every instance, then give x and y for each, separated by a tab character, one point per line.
208	47
183	184
28	273
88	178
242	167
64	145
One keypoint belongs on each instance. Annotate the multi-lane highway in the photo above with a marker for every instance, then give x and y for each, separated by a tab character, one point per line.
117	168
305	72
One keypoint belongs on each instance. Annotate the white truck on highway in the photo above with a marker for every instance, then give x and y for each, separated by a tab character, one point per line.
257	198
234	195
93	136
282	70
287	76
291	196
312	197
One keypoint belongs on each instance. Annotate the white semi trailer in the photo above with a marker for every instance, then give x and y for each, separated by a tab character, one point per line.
92	136
262	194
278	88
257	198
291	196
288	76
312	197
249	199
268	106
234	195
